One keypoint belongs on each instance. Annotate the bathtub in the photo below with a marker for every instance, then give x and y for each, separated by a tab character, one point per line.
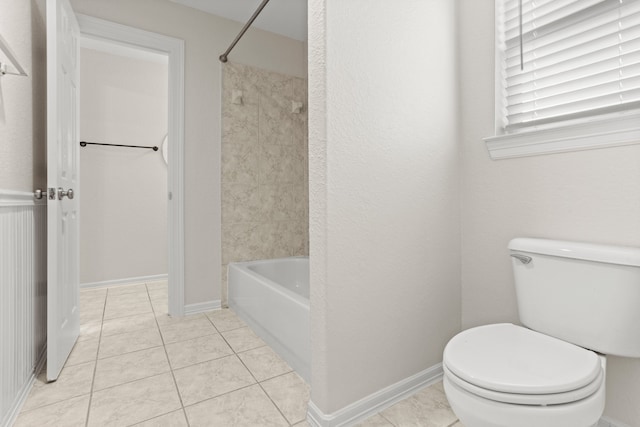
272	297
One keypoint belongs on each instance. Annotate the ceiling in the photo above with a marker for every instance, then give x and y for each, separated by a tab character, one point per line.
284	17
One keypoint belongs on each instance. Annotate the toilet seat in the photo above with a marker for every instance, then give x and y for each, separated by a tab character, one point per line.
513	364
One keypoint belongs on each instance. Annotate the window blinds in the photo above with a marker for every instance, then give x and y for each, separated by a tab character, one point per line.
581	58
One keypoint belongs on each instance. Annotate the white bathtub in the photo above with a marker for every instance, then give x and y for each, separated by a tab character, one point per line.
272	297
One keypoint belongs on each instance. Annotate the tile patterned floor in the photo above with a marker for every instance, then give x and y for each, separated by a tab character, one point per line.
135	365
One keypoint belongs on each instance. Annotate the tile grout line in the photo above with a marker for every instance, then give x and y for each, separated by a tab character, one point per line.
235	353
274	403
267	379
254	377
95	365
166	354
151	376
385	418
101	335
219	332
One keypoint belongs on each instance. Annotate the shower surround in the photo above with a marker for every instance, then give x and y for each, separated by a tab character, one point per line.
264	166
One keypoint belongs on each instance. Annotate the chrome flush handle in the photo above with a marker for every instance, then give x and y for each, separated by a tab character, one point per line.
522	258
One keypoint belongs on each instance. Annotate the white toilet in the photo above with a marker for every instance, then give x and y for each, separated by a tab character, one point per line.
574	299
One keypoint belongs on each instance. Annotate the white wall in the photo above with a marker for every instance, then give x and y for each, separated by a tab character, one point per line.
206	37
384	199
23	99
587	196
123	222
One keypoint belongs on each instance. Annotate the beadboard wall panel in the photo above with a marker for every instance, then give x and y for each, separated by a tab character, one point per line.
23	296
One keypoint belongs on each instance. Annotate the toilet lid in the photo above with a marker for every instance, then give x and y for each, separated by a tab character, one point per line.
512	359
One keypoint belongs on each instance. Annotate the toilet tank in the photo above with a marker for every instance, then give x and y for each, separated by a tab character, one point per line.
583	293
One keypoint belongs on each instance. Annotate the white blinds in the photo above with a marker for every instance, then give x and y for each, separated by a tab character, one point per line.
581	58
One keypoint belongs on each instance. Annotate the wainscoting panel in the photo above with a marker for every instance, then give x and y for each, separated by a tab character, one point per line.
23	297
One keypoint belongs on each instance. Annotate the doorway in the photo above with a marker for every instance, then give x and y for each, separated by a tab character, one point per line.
122	36
123	172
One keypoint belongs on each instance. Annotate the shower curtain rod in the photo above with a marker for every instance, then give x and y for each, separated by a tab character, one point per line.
223	57
85	143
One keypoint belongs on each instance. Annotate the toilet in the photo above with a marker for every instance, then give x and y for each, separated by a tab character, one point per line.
577	303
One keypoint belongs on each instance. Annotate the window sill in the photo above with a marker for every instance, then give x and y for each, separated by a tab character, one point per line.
612	132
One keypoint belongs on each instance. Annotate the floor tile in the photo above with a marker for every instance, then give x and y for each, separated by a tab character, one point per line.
83	351
172	419
210	379
134	402
246	407
187	330
302	424
128	289
130	298
197	350
291	394
91	315
264	363
68	413
89	331
438	386
375	421
92	297
115	345
130	367
133	382
73	381
163	319
427	408
242	339
93	291
159	293
129	324
225	320
160	306
158	284
92	300
127	308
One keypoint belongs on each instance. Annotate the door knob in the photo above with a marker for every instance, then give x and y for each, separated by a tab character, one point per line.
62	193
39	193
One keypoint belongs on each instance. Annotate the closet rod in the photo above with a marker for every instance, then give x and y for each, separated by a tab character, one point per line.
223	57
85	143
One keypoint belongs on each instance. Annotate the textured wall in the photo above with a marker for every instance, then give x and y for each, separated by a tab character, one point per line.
123	225
589	196
264	167
384	193
23	118
206	37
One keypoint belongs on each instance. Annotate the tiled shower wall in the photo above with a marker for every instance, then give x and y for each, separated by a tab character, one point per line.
264	166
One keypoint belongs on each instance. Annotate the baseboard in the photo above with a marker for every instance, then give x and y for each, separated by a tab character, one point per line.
608	422
202	307
13	413
375	402
125	281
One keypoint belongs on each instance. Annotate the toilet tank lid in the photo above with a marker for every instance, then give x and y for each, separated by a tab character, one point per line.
622	255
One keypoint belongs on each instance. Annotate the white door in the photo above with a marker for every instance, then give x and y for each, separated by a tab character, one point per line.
63	316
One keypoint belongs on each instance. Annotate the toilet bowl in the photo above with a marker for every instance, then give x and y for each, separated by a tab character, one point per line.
574	299
505	375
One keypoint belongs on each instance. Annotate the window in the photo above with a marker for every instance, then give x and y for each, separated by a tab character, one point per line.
567	75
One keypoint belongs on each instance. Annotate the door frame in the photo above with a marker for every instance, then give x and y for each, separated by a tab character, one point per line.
174	49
